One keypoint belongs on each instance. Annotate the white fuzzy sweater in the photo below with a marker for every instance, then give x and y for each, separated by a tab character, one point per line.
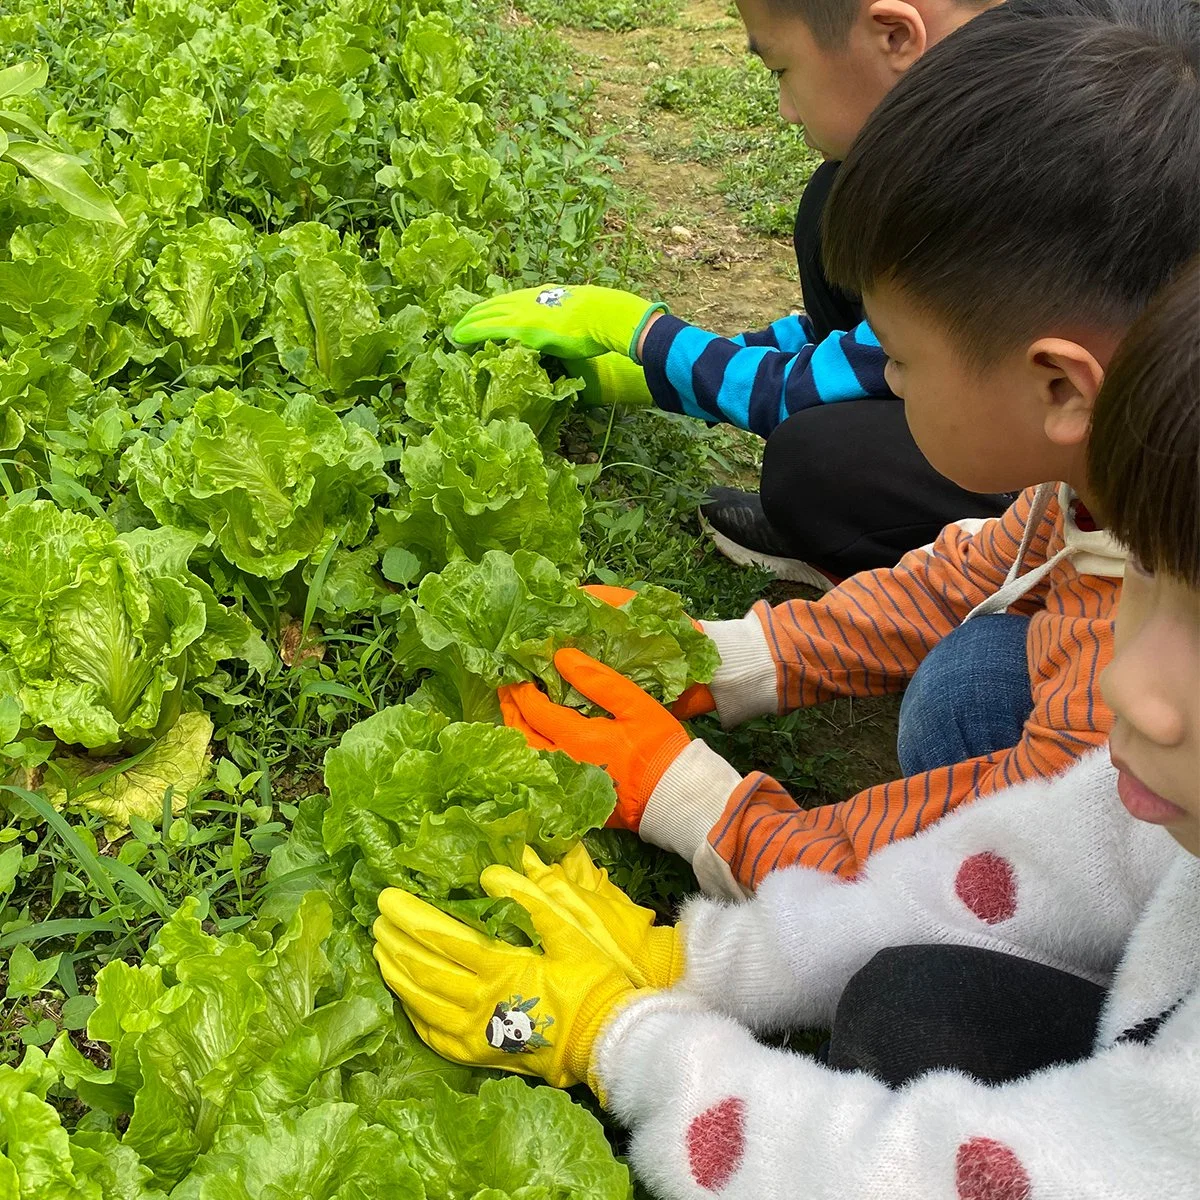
1053	871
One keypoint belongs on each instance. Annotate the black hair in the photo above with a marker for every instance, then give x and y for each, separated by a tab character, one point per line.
830	21
1144	448
1032	172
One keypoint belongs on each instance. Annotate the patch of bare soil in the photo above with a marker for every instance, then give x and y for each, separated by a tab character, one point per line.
710	269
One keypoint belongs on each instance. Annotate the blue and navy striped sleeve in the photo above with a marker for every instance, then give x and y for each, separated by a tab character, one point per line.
789	334
753	381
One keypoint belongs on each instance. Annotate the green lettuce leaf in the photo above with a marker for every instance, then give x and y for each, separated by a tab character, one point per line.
272	487
510	1142
325	1153
428	804
207	287
495	382
472	488
40	1161
178	760
211	1032
501	620
96	645
324	317
432	256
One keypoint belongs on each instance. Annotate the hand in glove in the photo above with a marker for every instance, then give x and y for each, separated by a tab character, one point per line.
694	701
567	322
635	745
485	1003
610	379
651	955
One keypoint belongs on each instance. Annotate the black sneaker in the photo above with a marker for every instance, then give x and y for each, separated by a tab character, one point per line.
741	531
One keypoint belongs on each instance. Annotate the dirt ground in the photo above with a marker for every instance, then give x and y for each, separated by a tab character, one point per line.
711	270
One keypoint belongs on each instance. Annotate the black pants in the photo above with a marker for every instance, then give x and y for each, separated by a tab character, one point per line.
914	1009
844	484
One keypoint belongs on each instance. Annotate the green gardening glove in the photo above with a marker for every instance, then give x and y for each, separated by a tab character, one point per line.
610	379
566	322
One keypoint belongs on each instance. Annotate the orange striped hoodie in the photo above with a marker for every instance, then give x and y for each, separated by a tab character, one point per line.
867	638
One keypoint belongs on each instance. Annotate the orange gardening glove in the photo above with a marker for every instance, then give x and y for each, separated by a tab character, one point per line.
635	745
694	701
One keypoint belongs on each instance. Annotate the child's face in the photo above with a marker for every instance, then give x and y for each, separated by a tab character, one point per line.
830	92
1153	685
1019	422
833	92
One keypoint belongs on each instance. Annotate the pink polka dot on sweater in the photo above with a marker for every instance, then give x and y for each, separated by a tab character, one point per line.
988	1170
716	1140
985	883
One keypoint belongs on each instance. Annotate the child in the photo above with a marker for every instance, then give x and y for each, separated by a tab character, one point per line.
844	487
1004	244
1087	885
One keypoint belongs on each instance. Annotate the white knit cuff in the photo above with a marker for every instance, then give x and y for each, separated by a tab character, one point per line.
746	682
688	800
735	964
617	1053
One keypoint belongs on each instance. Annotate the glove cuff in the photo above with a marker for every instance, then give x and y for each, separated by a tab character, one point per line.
653	310
670	749
661	959
601	1005
598	1005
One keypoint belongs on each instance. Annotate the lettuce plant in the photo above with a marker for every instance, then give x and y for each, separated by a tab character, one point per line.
100	632
269	487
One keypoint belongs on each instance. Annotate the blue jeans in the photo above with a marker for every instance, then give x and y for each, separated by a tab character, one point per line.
971	695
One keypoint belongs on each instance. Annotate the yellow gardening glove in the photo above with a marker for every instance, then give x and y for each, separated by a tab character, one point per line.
651	955
485	1003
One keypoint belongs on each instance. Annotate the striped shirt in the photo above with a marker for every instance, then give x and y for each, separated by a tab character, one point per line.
867	638
757	380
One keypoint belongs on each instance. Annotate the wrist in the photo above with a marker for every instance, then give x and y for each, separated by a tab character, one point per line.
745	684
661	960
599	1006
639	334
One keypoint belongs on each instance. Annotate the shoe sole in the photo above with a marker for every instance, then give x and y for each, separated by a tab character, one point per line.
791	570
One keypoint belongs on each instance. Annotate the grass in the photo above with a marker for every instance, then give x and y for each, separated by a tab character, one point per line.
731	110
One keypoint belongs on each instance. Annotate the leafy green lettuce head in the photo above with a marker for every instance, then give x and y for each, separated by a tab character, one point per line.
272	488
501	620
430	803
473	488
99	632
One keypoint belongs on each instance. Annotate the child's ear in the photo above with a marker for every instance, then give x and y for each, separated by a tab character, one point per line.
898	31
1067	377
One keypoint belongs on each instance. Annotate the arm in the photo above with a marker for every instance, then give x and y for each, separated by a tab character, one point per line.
751	382
789	334
868	636
1051	870
735	831
713	1111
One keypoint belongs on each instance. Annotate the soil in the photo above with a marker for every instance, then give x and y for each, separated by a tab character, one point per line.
711	270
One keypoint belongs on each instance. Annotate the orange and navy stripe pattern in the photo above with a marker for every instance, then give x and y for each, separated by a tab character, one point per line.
867	638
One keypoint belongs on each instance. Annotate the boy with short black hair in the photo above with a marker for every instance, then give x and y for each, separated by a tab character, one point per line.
1009	208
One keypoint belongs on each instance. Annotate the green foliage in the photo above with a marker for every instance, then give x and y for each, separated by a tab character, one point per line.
480	625
101	633
429	804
